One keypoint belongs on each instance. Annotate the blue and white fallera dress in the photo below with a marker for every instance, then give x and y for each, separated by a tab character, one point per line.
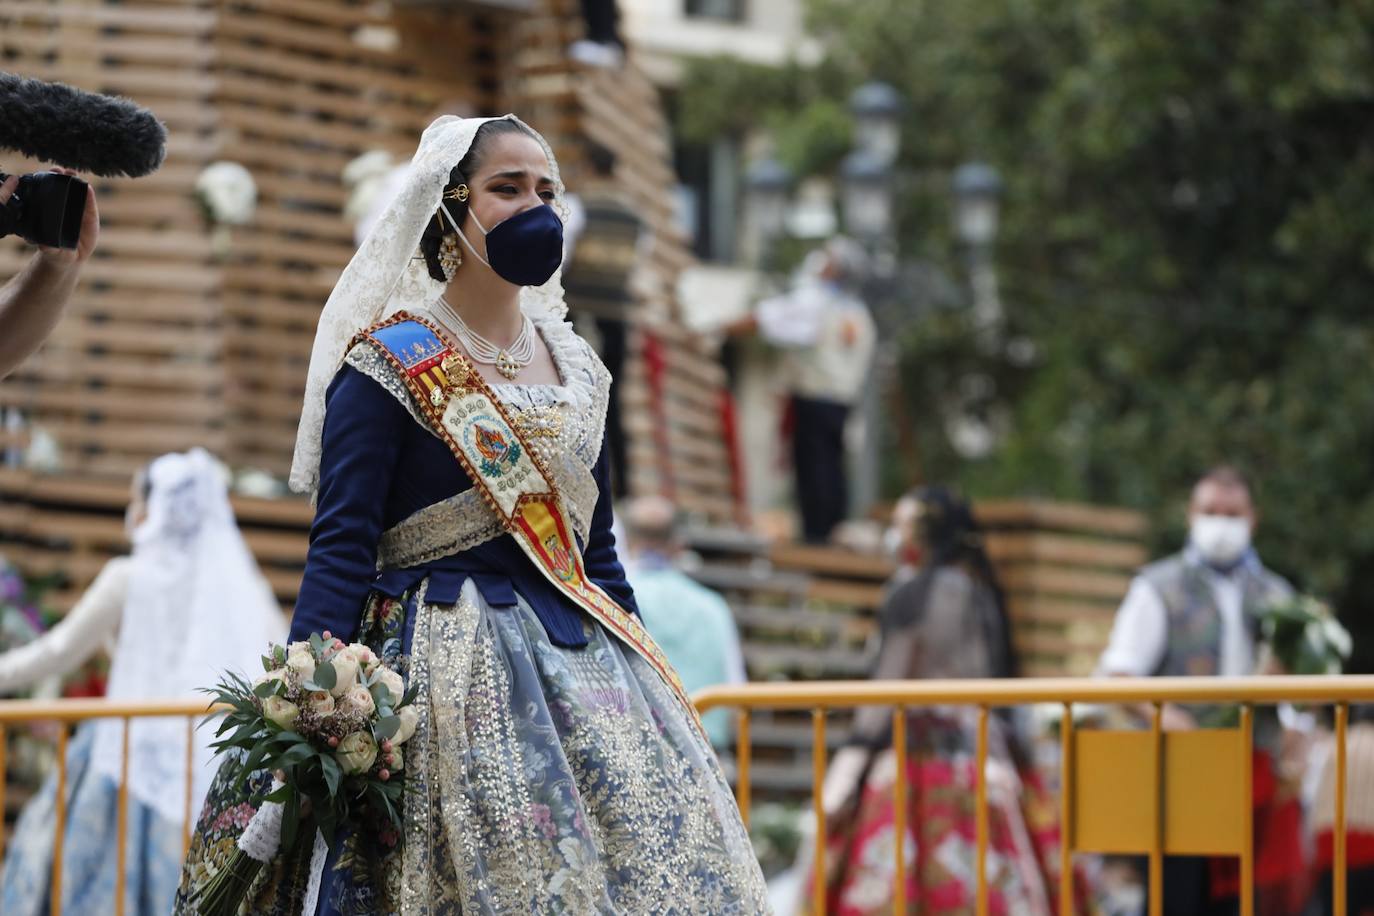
553	770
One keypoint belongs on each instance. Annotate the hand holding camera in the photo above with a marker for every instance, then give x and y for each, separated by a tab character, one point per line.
81	130
87	226
54	209
45	208
68	240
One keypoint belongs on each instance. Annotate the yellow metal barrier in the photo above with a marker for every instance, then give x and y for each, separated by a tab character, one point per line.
74	711
1151	792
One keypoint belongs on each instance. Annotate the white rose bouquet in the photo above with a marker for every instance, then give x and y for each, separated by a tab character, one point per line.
328	719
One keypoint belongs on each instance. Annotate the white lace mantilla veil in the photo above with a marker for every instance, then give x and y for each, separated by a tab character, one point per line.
196	606
387	274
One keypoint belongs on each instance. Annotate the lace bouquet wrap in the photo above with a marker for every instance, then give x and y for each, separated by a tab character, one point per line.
329	721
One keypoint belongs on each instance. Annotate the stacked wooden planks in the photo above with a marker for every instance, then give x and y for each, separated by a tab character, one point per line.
171	340
176	340
805	612
1065	569
810	612
302	87
133	369
71	528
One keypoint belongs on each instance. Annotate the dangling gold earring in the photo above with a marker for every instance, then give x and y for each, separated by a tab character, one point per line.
450	255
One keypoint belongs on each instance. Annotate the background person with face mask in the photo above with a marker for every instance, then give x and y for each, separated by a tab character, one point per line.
1197	613
943	617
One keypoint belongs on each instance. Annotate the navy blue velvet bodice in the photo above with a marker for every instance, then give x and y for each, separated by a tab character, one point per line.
379	466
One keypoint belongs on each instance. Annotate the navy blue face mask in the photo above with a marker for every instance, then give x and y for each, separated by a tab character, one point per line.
525	249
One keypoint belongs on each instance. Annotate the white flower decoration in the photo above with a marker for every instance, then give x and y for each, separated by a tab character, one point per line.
228	192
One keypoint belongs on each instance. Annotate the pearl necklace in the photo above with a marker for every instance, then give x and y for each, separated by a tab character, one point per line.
508	361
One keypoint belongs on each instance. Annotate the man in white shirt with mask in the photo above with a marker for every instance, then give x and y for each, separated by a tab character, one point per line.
1196	613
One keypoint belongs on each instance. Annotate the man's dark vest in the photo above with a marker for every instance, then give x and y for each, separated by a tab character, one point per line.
1194	629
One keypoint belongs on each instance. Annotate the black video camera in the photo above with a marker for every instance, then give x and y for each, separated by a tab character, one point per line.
45	209
52	122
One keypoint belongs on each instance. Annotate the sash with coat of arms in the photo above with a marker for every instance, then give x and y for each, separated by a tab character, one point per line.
461	409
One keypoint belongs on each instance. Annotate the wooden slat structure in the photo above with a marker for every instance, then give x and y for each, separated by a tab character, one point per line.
140	338
298	96
175	340
1065	569
57	525
170	343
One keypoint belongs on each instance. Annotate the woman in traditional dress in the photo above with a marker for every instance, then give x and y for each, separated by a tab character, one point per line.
453	435
943	617
188	602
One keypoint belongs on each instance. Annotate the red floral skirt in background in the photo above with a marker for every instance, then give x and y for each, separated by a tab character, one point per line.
940	848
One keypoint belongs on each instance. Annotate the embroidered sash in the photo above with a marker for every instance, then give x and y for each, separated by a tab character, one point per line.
461	408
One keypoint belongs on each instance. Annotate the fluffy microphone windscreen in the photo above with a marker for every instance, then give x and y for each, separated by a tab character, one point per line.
100	134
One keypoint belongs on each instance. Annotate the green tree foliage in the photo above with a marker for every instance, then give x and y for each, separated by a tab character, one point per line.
1186	250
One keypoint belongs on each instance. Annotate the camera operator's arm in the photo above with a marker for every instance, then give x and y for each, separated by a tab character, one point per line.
32	302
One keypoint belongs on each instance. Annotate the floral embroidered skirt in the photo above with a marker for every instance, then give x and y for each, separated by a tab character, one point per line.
541	779
939	845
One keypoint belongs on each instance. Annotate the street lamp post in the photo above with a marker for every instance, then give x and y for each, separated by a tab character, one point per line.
977	190
866	179
867	190
767	184
877	109
977	193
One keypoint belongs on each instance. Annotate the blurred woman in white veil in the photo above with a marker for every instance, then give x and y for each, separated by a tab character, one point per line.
186	603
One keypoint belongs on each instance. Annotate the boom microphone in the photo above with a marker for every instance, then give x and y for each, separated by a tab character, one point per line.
101	134
80	130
